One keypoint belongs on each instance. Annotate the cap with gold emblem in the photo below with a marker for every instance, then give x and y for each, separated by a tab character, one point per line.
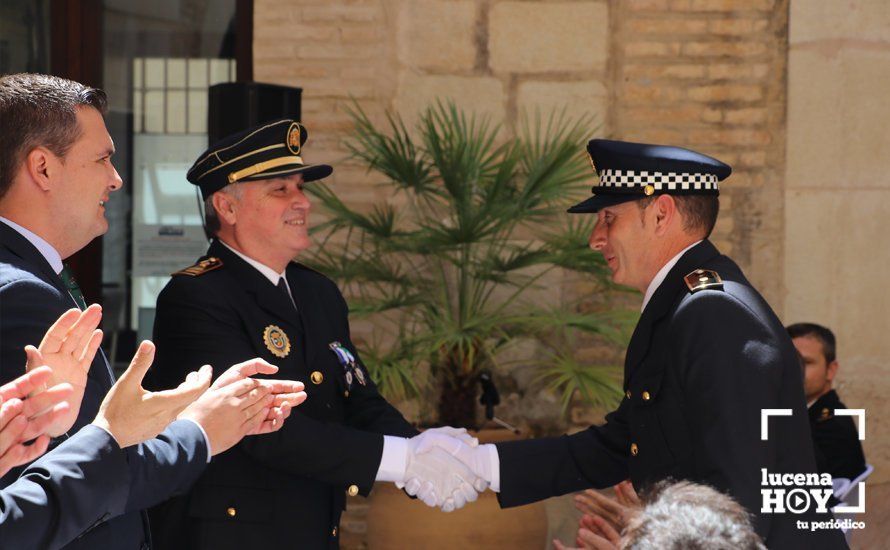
631	171
271	150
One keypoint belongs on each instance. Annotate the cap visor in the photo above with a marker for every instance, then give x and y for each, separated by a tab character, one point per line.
311	172
596	202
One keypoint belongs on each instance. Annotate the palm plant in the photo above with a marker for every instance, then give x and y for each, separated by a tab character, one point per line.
446	276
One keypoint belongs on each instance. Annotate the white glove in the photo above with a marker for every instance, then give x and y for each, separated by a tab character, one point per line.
477	458
438	479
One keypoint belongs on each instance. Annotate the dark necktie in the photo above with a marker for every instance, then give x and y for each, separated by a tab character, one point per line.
282	286
68	278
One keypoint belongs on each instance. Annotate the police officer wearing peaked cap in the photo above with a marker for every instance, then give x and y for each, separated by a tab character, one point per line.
707	355
246	298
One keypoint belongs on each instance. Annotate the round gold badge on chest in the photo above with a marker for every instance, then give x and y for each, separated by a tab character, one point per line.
276	341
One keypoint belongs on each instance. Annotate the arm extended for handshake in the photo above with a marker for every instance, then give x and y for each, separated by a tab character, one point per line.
88	476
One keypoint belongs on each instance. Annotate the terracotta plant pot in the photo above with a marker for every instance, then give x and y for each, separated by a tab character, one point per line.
396	522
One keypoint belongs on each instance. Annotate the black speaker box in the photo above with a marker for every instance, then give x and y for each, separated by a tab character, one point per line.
237	106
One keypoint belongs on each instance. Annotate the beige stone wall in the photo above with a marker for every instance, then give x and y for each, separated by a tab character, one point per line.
709	75
837	196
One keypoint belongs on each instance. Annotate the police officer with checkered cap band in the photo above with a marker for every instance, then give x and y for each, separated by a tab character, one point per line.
247	298
707	355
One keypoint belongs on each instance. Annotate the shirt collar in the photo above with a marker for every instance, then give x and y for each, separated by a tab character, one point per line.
51	254
266	271
662	273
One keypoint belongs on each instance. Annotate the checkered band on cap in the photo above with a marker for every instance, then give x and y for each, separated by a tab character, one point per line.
661	181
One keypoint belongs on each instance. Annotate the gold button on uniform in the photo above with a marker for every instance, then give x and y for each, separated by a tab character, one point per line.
645	396
231	512
334	532
316	377
634	450
353	490
627	394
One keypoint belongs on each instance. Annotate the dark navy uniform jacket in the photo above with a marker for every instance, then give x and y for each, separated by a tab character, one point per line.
32	297
836	439
699	368
285	488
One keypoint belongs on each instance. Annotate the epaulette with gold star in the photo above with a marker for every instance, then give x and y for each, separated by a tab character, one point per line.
702	279
201	267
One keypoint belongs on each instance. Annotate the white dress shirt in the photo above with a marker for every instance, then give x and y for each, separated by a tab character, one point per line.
662	273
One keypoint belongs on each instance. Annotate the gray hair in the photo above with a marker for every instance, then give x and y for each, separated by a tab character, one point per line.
212	224
689	516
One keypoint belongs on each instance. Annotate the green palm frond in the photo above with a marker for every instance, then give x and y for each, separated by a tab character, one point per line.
596	384
445	276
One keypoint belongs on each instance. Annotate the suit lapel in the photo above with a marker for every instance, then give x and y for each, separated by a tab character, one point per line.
22	247
662	301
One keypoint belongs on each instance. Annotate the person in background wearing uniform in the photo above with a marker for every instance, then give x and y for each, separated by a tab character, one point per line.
248	297
707	355
835	437
55	178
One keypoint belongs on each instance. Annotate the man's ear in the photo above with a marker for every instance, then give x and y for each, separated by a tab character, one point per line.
225	207
664	209
41	165
831	371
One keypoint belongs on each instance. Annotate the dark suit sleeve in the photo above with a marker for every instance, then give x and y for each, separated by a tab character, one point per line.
730	368
536	469
84	481
167	465
192	329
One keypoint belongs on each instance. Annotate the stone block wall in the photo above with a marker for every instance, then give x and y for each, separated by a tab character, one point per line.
710	75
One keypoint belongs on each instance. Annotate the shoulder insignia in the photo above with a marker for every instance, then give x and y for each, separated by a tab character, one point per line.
201	267
702	279
825	414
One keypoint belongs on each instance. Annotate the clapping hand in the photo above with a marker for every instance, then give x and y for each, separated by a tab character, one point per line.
287	394
616	511
237	405
132	414
594	533
68	348
24	418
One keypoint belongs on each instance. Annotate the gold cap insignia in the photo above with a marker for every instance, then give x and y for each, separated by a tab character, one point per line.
277	341
649	189
702	279
293	138
201	267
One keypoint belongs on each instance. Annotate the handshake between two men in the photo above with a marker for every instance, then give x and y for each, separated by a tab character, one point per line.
446	468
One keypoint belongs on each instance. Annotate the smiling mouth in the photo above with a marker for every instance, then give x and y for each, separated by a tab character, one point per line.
296	222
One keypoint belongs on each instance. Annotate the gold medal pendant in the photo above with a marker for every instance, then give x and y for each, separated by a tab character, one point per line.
276	341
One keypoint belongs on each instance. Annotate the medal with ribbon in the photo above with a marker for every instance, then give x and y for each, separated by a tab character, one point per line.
351	369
